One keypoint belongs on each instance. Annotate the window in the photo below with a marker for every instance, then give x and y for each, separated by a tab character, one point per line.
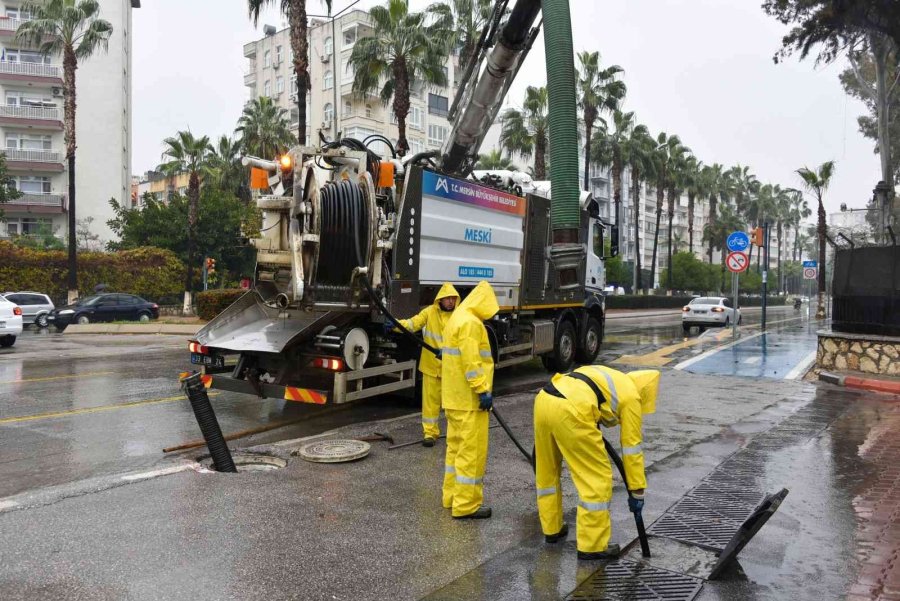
16	13
12	227
436	135
16	98
416	146
25	56
267	88
438	105
32	184
329	112
348	108
598	239
329	46
279	84
368	111
33	225
414	119
268	59
349	37
28	141
328	80
349	72
446	75
279	55
294	87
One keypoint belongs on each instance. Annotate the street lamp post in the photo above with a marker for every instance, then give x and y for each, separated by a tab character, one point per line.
882	198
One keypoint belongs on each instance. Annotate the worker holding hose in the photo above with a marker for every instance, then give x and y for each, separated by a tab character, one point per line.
566	416
431	321
467	374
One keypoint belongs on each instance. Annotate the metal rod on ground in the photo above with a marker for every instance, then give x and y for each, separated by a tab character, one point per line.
193	444
528	457
638	518
409	444
209	425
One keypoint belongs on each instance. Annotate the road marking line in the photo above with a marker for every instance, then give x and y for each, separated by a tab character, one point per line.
160	472
712	352
659	357
7	505
85	375
801	367
28	418
753	360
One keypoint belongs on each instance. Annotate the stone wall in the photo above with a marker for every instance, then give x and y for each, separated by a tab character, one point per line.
858	352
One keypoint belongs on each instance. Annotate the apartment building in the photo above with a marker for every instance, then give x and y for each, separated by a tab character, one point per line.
31	127
159	186
331	106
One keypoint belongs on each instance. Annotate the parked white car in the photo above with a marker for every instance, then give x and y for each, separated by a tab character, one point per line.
10	322
709	311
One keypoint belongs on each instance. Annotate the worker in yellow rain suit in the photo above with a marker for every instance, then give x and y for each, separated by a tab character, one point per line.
431	320
467	378
566	416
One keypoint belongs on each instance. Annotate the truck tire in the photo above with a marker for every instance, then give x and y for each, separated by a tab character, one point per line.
589	345
564	344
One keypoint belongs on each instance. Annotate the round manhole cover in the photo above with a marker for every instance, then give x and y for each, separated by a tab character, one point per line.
251	462
334	451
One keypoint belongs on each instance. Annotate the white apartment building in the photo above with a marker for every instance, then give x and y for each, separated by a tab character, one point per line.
31	127
331	106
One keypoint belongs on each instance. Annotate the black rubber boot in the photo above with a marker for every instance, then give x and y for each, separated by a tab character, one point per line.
428	442
611	552
561	535
482	513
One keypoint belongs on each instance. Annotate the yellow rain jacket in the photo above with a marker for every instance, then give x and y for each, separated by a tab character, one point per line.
467	368
432	320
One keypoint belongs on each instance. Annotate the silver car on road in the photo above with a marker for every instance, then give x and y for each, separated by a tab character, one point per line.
709	311
36	307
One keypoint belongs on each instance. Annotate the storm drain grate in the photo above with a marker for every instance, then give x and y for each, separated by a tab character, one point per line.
622	580
699	530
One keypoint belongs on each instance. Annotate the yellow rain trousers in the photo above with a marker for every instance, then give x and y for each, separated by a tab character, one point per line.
467	370
431	320
566	413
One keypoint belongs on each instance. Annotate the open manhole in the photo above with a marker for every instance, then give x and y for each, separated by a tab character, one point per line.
630	580
334	451
250	462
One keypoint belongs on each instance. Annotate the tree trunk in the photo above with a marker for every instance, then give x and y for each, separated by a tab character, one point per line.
722	283
821	230
636	200
880	50
713	201
670	215
690	217
660	190
617	190
540	158
589	118
70	65
780	279
401	102
300	48
193	214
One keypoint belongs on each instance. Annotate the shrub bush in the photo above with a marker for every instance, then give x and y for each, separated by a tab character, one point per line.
152	273
638	301
213	302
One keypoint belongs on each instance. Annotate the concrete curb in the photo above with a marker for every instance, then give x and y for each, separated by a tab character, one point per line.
138	328
872	384
836	379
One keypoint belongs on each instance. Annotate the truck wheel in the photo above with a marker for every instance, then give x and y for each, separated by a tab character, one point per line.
589	344
563	356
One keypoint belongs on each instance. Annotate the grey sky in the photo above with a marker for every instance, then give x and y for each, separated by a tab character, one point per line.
701	69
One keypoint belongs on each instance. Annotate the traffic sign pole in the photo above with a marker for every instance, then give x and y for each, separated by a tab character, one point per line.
765	272
734	293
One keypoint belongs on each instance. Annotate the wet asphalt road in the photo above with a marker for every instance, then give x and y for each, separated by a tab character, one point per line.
79	406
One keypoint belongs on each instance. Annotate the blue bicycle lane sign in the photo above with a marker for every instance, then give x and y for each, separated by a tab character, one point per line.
738	241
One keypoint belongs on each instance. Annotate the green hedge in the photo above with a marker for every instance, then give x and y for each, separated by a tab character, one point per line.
152	273
661	301
213	302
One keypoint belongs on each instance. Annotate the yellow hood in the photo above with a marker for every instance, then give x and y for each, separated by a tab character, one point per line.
446	290
647	383
482	301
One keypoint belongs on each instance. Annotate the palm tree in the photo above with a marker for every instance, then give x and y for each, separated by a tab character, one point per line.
817	182
463	20
295	11
728	220
608	149
495	160
403	51
74	29
527	132
223	168
782	216
264	129
599	91
660	169
744	186
799	211
716	185
186	154
674	183
695	185
636	151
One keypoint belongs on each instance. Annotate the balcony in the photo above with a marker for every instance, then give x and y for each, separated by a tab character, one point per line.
9	26
250	50
36	203
32	72
250	79
37	160
31	116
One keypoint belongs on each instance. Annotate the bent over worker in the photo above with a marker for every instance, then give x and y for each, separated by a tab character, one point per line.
432	320
566	416
467	370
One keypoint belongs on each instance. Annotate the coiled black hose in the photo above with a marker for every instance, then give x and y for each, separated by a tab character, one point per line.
209	425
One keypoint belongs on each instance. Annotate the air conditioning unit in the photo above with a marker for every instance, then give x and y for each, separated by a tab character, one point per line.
57	92
325	58
293	97
326	124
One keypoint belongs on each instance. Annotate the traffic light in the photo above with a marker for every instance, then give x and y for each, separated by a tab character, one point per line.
210	265
756	236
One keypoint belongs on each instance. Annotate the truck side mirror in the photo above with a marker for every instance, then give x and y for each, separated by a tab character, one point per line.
614	242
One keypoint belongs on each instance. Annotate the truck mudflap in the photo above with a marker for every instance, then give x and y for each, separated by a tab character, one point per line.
348	386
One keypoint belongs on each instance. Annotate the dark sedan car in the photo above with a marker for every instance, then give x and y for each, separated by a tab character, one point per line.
105	307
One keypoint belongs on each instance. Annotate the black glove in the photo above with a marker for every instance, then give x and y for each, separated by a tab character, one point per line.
485	401
388	325
636	504
438	354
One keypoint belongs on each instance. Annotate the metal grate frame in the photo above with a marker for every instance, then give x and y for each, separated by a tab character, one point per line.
621	580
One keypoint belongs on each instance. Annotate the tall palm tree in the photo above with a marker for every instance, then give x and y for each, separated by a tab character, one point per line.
404	50
637	150
599	91
295	11
264	129
660	169
74	29
463	20
782	216
695	185
799	211
716	185
608	149
185	153
674	183
223	168
716	234
817	182
526	132
744	186
495	160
